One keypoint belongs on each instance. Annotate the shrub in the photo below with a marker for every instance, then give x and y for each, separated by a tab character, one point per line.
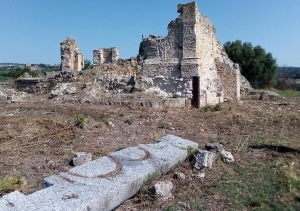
129	120
207	108
218	107
80	120
11	183
164	125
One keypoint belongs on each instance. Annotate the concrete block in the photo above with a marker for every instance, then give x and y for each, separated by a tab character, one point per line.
104	183
13	201
178	142
130	153
95	168
165	154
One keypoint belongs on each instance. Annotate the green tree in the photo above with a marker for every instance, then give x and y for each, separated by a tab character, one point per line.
87	64
259	67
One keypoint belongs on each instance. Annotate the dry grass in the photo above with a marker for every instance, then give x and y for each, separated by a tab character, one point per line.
11	183
263	136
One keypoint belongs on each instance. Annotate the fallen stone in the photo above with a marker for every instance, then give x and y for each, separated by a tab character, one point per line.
81	158
204	159
162	190
63	89
104	183
226	156
200	175
179	176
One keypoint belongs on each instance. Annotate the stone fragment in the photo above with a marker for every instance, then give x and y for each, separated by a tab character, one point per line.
200	175
179	176
204	159
214	147
162	190
63	89
226	156
81	158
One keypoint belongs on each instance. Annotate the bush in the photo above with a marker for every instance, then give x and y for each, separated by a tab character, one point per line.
80	120
129	120
218	107
11	183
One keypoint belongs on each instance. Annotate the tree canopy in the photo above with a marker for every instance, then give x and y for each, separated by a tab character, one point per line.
259	67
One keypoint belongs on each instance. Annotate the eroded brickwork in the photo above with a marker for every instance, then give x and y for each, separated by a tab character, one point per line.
105	55
190	49
71	57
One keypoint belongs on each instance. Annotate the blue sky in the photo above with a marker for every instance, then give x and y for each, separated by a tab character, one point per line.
31	30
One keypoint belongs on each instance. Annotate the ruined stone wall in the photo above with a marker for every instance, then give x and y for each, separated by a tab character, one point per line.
190	49
105	55
71	57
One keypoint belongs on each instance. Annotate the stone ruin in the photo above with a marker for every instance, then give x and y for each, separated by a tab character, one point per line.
190	49
71	57
188	63
105	55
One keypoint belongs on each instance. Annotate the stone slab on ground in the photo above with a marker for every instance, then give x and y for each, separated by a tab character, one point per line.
106	182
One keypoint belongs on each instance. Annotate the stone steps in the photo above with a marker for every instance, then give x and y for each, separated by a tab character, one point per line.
104	183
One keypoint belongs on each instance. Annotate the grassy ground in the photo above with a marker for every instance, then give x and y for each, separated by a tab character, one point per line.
288	93
38	139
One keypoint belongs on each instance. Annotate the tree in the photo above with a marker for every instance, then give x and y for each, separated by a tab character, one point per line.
87	64
259	67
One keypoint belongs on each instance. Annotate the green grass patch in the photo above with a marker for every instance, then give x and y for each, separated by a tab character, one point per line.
80	120
257	186
11	183
129	120
288	93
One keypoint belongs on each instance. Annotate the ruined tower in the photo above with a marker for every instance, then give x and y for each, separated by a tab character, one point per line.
105	55
71	57
190	49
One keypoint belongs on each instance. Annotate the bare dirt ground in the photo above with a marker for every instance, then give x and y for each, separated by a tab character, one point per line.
38	139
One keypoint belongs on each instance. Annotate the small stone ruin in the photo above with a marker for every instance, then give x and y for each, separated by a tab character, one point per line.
105	55
71	57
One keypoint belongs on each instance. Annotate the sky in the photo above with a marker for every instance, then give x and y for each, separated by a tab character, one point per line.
31	30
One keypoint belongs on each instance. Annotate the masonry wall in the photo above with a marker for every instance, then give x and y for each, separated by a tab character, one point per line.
71	57
105	55
190	49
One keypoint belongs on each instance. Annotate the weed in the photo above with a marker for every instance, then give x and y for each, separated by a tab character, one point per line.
154	137
80	120
105	121
164	125
101	152
206	108
11	183
129	120
147	182
54	109
191	151
218	107
121	147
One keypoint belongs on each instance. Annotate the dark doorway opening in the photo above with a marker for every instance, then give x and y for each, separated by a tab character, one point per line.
196	92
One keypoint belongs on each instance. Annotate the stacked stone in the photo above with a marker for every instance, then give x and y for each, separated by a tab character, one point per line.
71	57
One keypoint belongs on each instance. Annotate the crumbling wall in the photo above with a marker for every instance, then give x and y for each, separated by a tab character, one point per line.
190	49
71	57
105	55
